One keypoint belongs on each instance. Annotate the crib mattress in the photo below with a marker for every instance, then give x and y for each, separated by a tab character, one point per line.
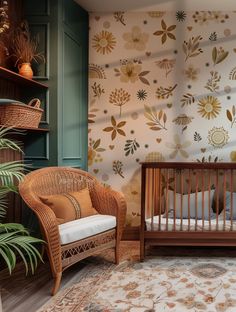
189	225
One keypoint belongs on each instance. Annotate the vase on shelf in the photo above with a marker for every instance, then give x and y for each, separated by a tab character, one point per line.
25	70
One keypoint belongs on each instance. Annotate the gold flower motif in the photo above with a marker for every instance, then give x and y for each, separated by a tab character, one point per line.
183	120
178	147
115	128
104	42
166	64
94	150
165	32
192	73
218	137
136	39
209	107
130	72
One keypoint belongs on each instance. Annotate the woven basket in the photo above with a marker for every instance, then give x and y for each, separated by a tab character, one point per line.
21	115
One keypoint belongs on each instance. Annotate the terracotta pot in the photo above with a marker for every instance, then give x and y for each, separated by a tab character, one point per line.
25	70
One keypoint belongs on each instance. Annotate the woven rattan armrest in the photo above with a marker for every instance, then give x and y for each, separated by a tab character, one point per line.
109	202
49	227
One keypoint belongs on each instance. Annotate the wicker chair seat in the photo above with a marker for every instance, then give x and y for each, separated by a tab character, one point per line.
85	227
73	241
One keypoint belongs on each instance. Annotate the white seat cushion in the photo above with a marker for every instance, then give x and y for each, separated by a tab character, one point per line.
85	227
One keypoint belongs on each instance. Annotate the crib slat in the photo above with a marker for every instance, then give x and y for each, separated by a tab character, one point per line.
217	200
189	191
196	201
203	202
209	199
152	197
147	199
160	197
224	200
167	197
231	199
174	199
181	207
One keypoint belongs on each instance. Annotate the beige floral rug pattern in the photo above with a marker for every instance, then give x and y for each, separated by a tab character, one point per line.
161	284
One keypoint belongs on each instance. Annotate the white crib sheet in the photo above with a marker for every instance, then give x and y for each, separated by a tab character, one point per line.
189	225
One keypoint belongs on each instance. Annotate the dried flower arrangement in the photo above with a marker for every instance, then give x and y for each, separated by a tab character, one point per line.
4	20
25	47
4	29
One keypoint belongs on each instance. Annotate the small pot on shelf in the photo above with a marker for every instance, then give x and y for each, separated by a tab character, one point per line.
25	70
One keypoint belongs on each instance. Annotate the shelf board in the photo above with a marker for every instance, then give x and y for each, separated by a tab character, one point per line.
12	76
29	129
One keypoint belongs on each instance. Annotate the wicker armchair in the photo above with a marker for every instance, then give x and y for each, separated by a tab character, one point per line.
59	180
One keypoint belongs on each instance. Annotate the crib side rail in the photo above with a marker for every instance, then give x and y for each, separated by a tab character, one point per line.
188	197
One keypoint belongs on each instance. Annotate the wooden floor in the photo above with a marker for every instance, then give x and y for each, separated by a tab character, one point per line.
22	293
27	294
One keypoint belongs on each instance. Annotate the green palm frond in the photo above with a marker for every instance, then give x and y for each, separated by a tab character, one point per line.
10	171
2	210
8	227
14	238
7	143
12	243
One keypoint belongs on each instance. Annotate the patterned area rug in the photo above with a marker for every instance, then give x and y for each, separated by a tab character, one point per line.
161	283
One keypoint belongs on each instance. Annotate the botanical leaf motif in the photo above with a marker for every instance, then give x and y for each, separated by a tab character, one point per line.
108	129
158	119
115	128
209	159
187	99
165	32
191	47
119	97
119	17
142	79
97	143
130	147
92	115
144	73
231	115
197	137
113	121
212	83
165	93
117	168
219	55
97	90
121	132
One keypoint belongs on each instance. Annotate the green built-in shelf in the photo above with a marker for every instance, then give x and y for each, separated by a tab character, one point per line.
29	129
12	76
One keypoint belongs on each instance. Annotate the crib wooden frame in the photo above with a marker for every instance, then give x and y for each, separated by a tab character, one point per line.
224	180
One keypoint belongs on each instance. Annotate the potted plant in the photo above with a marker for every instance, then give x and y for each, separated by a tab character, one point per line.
14	237
25	50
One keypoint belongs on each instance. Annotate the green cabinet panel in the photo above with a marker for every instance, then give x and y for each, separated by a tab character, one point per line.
71	117
62	26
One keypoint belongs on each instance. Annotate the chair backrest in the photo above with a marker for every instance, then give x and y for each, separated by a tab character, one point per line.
55	180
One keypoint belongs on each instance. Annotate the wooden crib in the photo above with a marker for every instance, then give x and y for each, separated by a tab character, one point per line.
188	204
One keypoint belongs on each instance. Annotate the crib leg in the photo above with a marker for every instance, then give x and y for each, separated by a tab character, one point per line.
142	250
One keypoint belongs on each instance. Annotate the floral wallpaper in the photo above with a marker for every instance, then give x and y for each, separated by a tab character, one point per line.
161	88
